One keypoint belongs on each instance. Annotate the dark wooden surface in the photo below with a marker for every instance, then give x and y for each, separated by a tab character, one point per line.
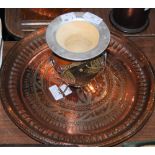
10	134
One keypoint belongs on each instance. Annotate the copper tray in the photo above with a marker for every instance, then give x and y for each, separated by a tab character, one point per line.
22	21
110	109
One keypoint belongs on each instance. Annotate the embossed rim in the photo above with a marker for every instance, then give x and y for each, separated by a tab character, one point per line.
117	139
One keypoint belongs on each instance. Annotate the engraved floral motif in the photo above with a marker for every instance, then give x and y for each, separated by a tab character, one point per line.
104	112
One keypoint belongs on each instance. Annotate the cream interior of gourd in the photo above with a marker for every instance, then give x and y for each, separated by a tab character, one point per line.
77	36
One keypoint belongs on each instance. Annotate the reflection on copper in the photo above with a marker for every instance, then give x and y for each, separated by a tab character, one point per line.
71	119
91	88
116	115
105	93
44	69
130	12
51	12
133	99
9	109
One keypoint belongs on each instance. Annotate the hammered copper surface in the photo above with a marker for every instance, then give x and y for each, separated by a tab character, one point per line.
110	109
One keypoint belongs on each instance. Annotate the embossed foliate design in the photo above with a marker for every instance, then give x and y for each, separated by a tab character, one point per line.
102	113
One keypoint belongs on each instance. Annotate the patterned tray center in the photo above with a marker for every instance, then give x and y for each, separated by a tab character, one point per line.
110	108
72	110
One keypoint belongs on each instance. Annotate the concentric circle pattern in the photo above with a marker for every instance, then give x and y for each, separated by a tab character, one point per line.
111	108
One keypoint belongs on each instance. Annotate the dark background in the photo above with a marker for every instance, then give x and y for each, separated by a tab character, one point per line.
5	33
